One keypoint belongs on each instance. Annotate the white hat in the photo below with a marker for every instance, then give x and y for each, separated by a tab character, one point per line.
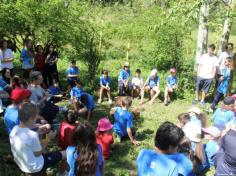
195	110
126	64
192	131
153	72
213	131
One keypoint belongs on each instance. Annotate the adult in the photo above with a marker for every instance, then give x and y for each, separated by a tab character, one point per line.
206	70
7	57
51	65
124	84
156	162
27	55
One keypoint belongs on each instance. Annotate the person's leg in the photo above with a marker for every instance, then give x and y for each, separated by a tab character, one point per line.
109	96
143	90
198	89
166	95
157	92
120	88
130	87
100	94
215	100
206	87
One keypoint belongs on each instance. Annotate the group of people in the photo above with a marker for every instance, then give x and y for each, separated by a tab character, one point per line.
31	118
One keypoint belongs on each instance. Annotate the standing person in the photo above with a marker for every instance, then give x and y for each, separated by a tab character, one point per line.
232	55
8	57
27	54
124	84
72	74
151	86
137	83
206	70
171	85
105	86
156	162
85	156
51	64
26	147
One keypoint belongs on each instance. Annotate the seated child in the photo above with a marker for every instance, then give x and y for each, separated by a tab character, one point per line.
224	115
222	89
171	85
124	121
212	146
75	94
151	86
137	83
86	105
105	86
197	117
104	136
124	84
66	129
72	74
26	147
55	89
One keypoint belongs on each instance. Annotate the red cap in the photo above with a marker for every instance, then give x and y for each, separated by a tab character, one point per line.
20	94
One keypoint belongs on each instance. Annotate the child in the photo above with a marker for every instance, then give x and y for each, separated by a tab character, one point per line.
224	115
125	87
197	117
171	85
55	89
85	156
104	136
72	74
151	86
124	121
26	147
223	84
137	83
105	86
75	94
66	129
183	118
86	105
212	146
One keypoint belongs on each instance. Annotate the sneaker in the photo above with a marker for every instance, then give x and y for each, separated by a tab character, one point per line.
210	110
63	109
165	103
195	102
99	100
110	101
118	139
203	104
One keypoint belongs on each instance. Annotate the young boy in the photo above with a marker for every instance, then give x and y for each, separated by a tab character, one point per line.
72	74
137	83
171	85
151	86
26	147
105	86
124	84
124	121
87	105
223	84
75	94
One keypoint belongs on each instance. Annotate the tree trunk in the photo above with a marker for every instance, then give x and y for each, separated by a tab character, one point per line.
202	30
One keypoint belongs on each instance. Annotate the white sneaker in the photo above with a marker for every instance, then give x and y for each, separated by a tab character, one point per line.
110	101
99	100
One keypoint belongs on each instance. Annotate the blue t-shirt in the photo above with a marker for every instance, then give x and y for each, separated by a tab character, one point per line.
76	92
11	118
151	163
124	75
184	164
223	87
153	82
123	120
171	80
196	121
26	59
55	90
90	103
72	155
3	84
211	148
72	71
222	117
104	81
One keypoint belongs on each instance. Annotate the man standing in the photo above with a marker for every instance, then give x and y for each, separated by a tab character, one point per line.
206	70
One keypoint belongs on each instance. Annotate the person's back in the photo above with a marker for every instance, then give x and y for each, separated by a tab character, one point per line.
150	163
211	148
222	117
105	140
11	118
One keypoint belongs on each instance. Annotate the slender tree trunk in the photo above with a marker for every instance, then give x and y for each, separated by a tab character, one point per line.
202	30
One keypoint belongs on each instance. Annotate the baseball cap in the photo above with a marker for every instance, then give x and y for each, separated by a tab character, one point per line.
195	110
126	64
20	94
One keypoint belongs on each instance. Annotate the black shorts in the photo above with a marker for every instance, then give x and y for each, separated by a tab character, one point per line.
203	84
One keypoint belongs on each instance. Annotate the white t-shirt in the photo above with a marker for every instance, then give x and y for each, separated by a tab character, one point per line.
206	64
24	142
7	54
36	93
137	81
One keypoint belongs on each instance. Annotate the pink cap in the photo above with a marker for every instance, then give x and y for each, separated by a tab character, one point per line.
172	70
104	124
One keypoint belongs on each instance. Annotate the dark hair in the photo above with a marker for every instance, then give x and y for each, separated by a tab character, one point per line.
225	47
138	71
231	44
27	40
73	61
84	138
105	72
212	46
84	99
78	82
202	117
8	80
71	116
168	135
126	101
184	116
16	82
37	48
34	75
26	111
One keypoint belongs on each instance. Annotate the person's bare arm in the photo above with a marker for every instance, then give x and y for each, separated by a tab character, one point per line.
132	138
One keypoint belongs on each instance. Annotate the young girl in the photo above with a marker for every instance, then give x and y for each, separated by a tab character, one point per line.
151	86
85	156
104	136
171	85
6	75
137	83
105	86
8	57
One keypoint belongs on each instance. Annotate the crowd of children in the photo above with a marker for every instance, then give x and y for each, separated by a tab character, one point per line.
31	116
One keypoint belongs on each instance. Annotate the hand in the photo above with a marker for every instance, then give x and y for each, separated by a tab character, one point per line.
107	87
52	135
136	143
221	78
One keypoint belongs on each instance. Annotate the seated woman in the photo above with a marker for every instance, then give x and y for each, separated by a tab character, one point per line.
151	86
